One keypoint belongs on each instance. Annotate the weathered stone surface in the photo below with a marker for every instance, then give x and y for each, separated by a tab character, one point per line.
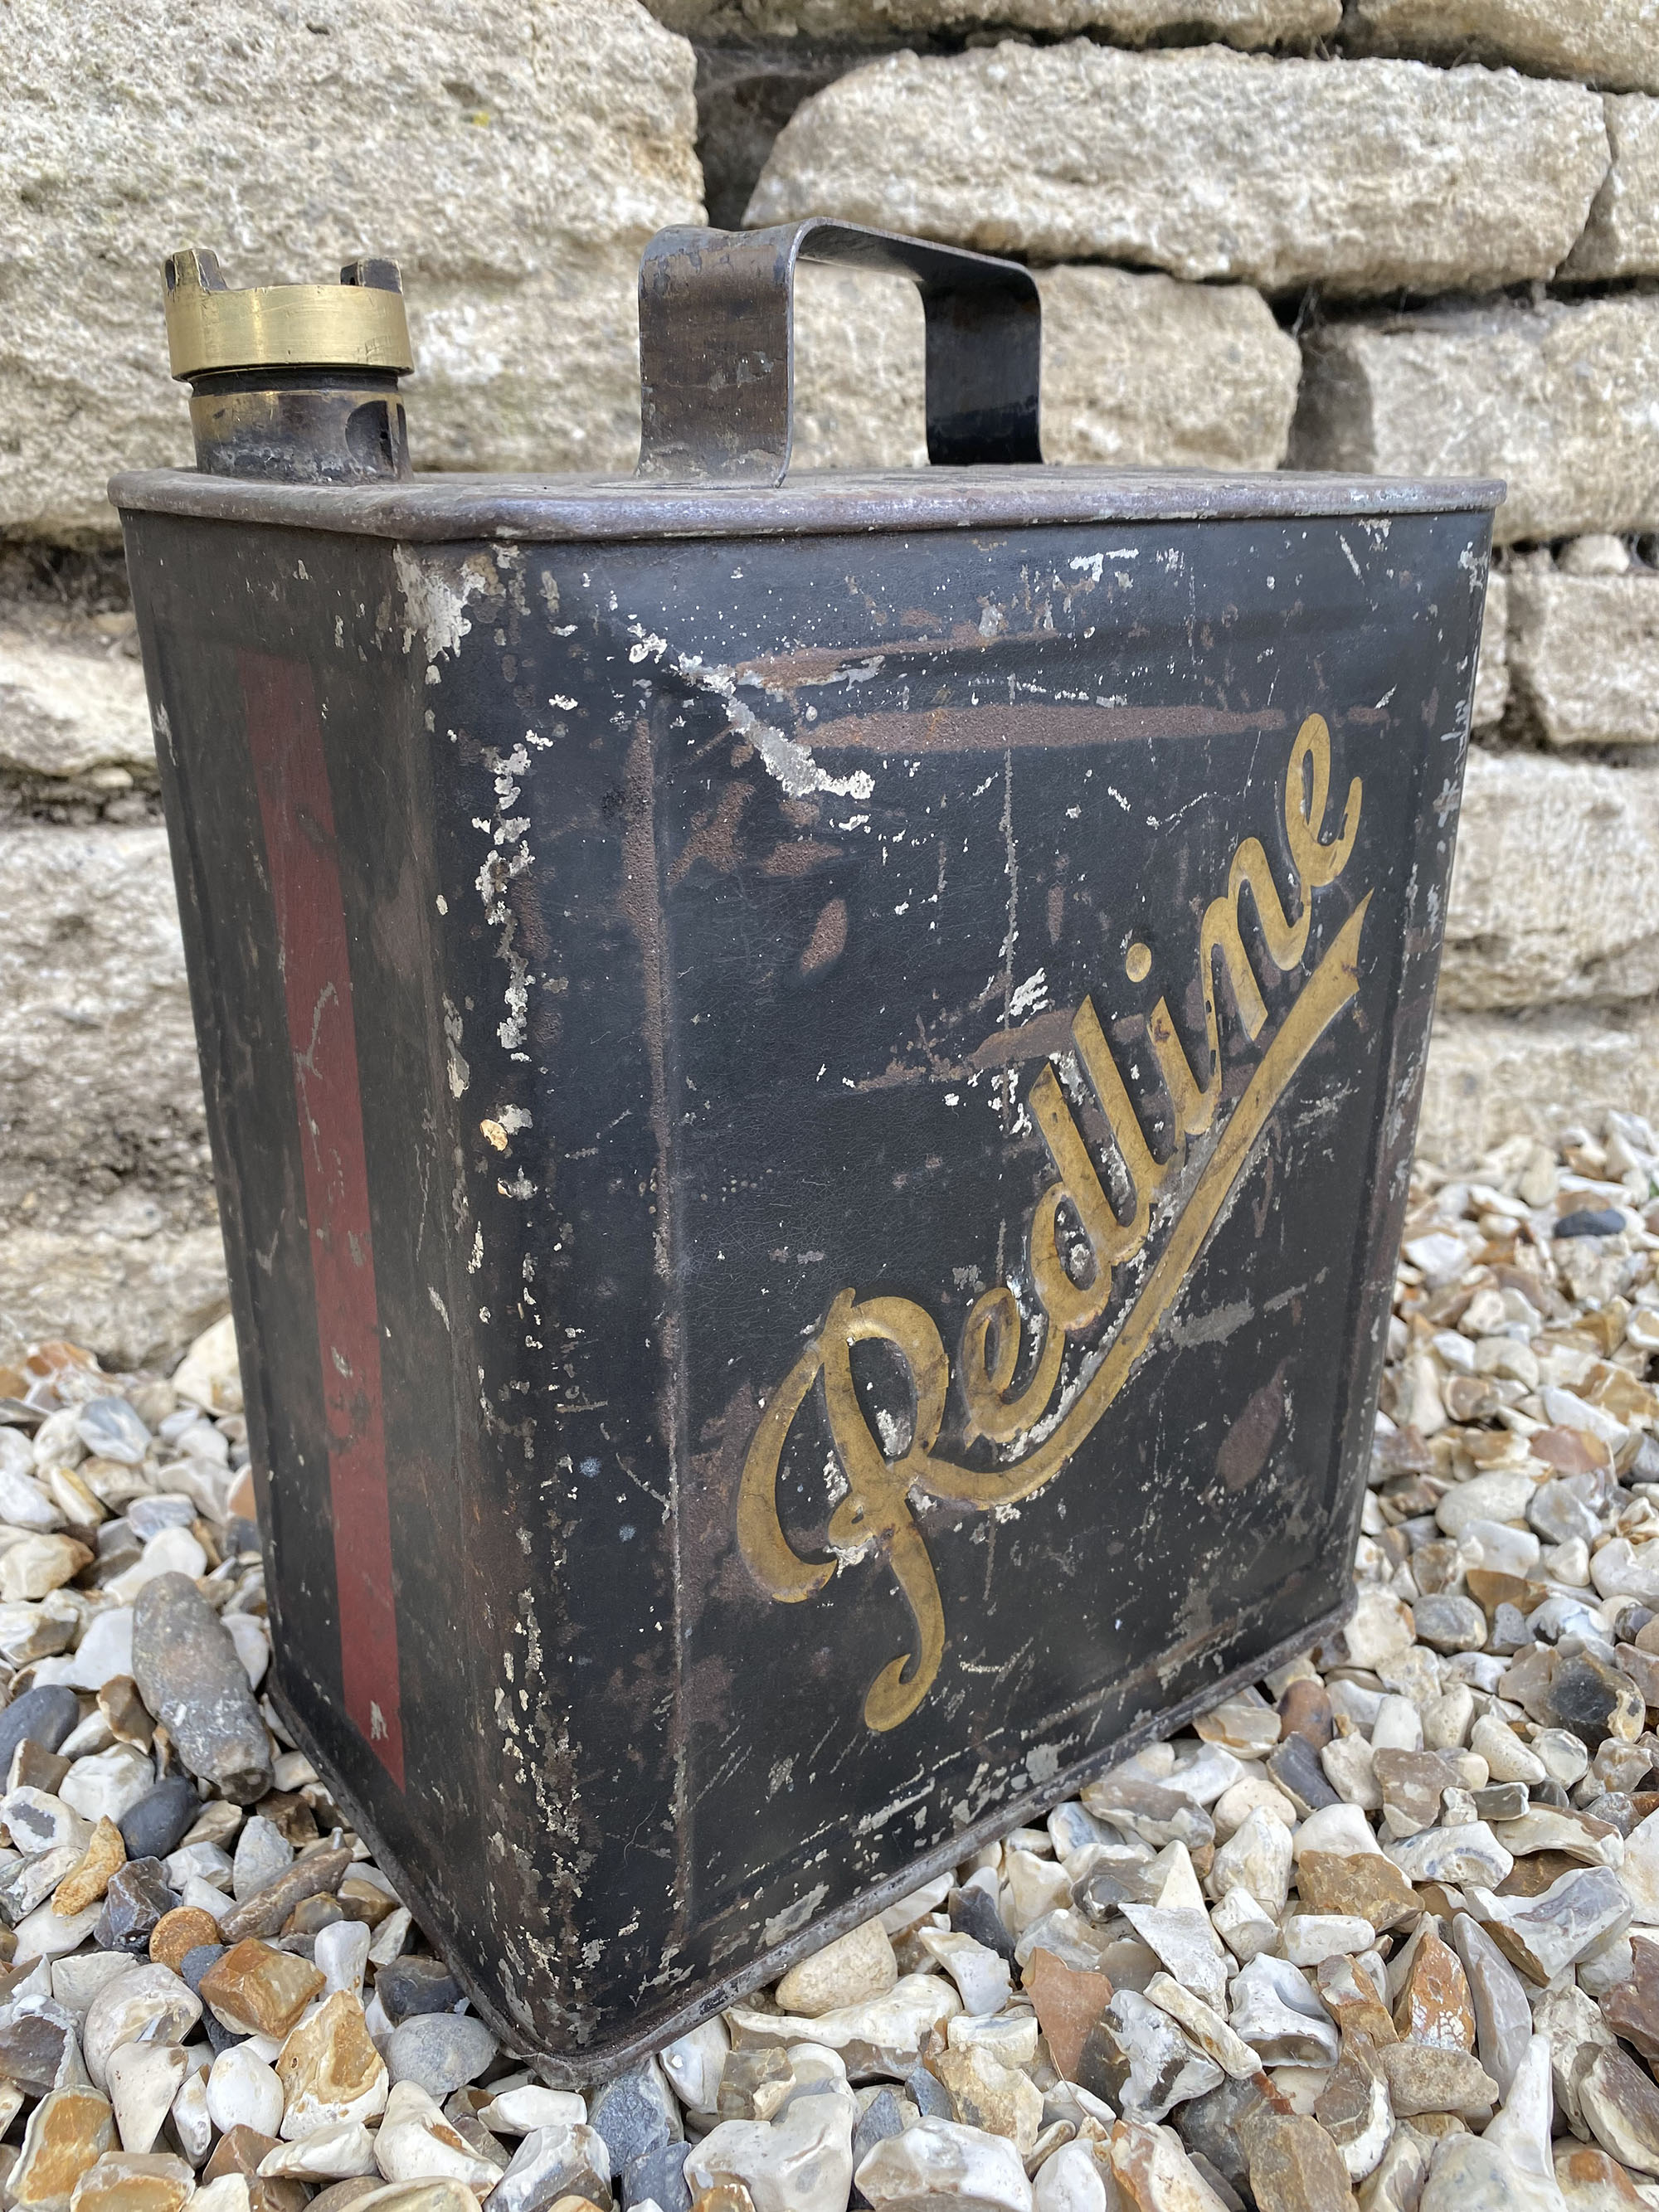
69	704
1248	23
1361	178
98	1065
1621	238
1553	397
1493	1076
1136	371
1555	890
1584	656
530	170
1492	673
1605	41
133	1293
191	1678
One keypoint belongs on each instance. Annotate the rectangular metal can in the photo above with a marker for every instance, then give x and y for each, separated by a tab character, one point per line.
811	1092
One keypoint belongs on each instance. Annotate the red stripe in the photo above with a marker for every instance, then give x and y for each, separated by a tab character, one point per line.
286	739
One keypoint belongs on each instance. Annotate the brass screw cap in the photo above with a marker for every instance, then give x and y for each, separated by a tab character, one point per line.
357	324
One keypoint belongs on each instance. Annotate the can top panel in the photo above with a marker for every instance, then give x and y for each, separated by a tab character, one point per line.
435	507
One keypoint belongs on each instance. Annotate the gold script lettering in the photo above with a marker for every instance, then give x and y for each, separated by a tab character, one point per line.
875	1510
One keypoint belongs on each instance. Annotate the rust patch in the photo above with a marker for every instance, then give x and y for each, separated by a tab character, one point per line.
828	941
1244	1449
798	857
712	835
1035	1040
1033	724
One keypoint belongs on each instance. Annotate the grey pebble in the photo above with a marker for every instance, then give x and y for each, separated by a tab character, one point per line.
440	2052
262	1853
658	2176
157	1824
165	1508
44	1716
929	2095
109	1428
135	1901
188	1675
1449	1622
407	1987
879	2119
972	1913
636	2113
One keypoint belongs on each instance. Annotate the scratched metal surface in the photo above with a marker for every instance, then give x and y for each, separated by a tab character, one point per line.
725	926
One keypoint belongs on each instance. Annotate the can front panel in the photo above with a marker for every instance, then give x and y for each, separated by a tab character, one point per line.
930	1035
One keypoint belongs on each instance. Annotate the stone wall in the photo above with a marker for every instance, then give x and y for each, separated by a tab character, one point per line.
1408	236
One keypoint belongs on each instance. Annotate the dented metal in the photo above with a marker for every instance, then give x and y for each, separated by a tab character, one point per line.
812	1091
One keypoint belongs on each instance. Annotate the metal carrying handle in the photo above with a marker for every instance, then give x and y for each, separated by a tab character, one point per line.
717	347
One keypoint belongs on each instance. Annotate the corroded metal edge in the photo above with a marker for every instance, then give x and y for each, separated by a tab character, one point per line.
431	507
607	2059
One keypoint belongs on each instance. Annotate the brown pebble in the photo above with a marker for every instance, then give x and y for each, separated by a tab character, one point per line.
1296	2167
1068	2001
35	1768
264	1913
104	1855
290	1815
1489	1589
185	1929
126	1712
1532	1875
724	2196
311	1916
1305	1710
1364	1883
258	1990
238	2151
1427	2078
1569	1452
68	2131
134	2181
360	1900
1434	2006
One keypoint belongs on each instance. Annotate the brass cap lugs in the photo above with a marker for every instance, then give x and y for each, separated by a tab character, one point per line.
358	323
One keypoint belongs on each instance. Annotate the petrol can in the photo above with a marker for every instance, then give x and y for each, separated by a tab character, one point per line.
811	1080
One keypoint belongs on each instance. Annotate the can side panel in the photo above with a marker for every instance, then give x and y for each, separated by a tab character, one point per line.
294	778
554	997
916	802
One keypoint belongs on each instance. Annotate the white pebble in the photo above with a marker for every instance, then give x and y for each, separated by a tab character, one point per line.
242	2091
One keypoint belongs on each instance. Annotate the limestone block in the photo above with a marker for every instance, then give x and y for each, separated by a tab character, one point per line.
1621	238
134	1301
1583	655
1491	672
1136	369
1246	23
98	1071
512	155
1363	176
1609	42
70	707
1557	397
1555	891
1493	1076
